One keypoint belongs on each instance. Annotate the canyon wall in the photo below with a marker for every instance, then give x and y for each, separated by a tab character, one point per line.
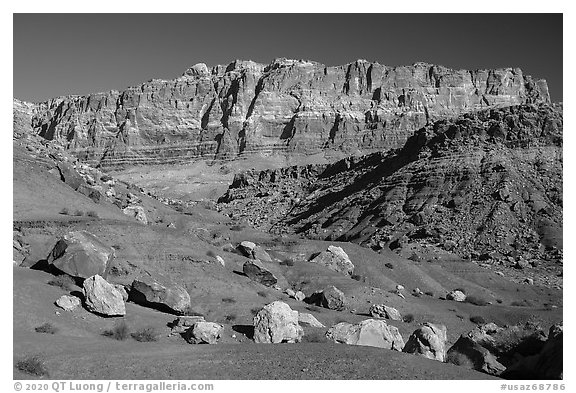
288	106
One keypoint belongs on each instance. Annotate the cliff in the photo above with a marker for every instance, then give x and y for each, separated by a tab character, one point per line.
287	106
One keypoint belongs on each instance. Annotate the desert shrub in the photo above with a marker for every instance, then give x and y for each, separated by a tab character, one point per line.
78	213
357	277
228	300
65	211
191	312
33	365
389	265
119	332
478	320
416	294
262	294
64	281
255	310
145	335
237	228
521	303
287	262
477	301
230	318
414	257
211	253
408	318
47	328
93	214
459	359
499	301
316	336
429	293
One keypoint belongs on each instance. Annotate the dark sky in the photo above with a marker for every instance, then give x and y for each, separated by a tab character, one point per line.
58	54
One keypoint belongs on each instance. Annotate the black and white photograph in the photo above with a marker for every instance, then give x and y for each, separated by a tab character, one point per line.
287	195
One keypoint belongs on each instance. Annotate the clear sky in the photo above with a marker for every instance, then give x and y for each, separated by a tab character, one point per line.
59	54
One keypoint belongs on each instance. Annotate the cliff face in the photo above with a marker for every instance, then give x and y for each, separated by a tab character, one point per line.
476	184
289	106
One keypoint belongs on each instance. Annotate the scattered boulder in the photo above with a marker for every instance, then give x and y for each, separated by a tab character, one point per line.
528	281
383	311
81	254
160	293
102	297
467	353
300	296
277	323
547	364
203	333
183	323
335	258
290	292
69	175
428	341
370	332
456	295
256	271
309	319
220	260
331	298
68	302
252	251
137	212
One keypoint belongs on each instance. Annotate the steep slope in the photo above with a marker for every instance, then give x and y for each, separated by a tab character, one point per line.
289	106
485	185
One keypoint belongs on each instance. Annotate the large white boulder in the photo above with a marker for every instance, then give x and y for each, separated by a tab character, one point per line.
277	323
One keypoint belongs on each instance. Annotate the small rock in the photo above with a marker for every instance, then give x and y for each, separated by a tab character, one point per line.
383	311
529	281
456	295
220	260
68	302
399	287
300	296
203	333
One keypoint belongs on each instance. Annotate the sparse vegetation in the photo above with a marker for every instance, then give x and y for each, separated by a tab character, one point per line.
228	300
230	318
145	335
92	214
521	303
477	301
211	253
459	359
191	312
262	294
255	310
78	213
237	228
119	332
357	277
389	265
47	328
478	320
33	365
499	301
429	293
65	211
287	262
408	318
64	281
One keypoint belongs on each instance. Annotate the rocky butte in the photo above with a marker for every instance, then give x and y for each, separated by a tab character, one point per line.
287	106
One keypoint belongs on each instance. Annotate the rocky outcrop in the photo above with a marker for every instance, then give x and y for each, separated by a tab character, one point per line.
429	341
292	106
102	298
485	185
370	332
81	254
159	292
335	258
276	323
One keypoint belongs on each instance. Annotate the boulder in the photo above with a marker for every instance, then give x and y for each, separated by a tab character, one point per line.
203	333
68	302
277	323
253	251
246	248
81	254
467	353
383	311
370	332
256	271
137	212
331	297
183	323
69	175
309	319
290	292
300	296
335	258
428	341
159	292
120	288
220	260
102	297
456	295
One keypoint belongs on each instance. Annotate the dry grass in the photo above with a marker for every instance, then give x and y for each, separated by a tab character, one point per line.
316	336
33	365
477	300
64	281
47	328
119	332
145	335
228	300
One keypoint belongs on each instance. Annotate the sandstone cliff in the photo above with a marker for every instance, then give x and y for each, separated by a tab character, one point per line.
482	183
288	105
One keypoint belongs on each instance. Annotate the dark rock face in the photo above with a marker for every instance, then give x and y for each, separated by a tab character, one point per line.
289	106
256	271
487	183
160	293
